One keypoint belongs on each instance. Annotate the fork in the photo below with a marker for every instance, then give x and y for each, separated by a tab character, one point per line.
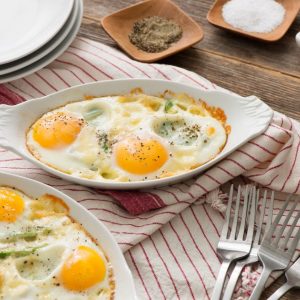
272	254
293	280
238	244
253	257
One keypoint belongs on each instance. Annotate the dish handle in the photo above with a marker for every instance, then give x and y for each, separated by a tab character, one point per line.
6	124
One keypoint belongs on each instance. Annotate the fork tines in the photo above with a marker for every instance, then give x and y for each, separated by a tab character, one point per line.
278	245
260	229
243	218
237	233
276	239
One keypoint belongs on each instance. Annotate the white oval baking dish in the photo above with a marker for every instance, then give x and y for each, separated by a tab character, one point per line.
248	117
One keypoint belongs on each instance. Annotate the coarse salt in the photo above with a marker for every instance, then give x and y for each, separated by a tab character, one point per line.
261	16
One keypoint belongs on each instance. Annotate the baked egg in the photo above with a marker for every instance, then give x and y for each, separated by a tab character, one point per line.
132	137
44	254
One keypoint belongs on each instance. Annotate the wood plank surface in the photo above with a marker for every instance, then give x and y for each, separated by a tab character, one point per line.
270	71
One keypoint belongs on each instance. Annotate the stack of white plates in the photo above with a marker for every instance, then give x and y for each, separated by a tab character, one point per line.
35	32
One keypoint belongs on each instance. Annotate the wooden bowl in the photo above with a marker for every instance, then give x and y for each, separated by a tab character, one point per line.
292	7
119	25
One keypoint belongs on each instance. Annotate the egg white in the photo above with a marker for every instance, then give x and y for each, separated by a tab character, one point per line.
88	157
201	149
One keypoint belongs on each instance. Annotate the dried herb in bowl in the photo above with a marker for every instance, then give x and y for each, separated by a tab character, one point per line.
155	34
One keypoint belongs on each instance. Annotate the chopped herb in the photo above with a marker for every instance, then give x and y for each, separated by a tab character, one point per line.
19	253
105	147
179	132
29	235
104	142
167	127
169	104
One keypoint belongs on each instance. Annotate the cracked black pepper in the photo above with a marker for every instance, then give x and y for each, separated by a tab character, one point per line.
155	34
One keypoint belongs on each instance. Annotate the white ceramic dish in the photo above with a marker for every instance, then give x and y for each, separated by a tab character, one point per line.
47	59
31	23
124	281
248	118
46	49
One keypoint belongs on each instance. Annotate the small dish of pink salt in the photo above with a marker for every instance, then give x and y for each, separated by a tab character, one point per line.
266	20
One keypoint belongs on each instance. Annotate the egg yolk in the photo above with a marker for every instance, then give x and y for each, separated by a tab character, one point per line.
11	205
82	269
138	156
56	130
210	131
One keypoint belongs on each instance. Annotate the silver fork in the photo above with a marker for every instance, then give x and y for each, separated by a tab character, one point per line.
238	244
275	255
293	280
253	257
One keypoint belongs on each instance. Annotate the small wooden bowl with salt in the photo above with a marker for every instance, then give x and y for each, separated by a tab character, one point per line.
236	17
120	25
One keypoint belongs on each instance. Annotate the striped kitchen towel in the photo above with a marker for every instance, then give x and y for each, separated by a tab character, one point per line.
169	234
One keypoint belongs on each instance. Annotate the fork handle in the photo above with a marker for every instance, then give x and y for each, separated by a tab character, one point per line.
217	292
260	285
281	291
233	279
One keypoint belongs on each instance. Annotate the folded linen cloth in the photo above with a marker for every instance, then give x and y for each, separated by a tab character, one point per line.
170	250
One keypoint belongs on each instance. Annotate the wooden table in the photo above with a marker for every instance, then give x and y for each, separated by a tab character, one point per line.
270	71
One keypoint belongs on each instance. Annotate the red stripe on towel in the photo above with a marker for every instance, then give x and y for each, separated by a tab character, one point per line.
9	97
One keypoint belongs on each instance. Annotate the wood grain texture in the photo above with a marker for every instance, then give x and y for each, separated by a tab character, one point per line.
270	71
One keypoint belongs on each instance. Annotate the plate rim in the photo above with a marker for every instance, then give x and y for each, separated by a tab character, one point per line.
46	60
46	38
45	49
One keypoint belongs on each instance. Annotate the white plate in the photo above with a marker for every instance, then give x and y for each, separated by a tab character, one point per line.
27	25
44	50
52	55
124	281
248	117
